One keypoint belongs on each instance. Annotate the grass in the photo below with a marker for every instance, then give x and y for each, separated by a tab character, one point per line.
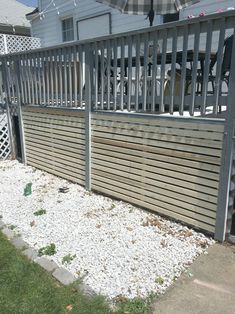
47	250
40	212
25	288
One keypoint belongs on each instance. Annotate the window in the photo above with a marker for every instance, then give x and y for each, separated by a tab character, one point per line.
95	26
67	29
170	17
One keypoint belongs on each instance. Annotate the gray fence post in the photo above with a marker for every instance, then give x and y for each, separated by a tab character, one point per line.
19	107
226	158
88	109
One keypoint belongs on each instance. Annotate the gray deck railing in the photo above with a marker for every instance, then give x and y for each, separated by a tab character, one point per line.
163	69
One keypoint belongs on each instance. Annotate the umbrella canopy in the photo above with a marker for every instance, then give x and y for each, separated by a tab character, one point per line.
149	7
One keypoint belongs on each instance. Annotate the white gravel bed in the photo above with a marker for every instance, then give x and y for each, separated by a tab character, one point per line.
120	250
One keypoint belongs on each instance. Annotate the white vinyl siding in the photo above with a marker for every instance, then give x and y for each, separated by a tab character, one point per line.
49	28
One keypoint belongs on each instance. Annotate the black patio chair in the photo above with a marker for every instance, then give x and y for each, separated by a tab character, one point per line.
225	68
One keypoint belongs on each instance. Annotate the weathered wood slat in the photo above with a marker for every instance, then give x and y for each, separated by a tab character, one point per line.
152	165
55	143
58	172
159	150
57	163
149	197
39	115
164	195
146	170
52	127
70	136
27	110
71	159
54	122
194	124
161	144
153	178
165	186
78	158
40	143
163	211
158	137
131	154
194	133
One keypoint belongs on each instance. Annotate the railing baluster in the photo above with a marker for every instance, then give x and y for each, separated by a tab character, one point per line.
48	61
81	76
115	74
195	72
61	76
219	66
38	77
206	67
137	73
102	74
173	70
108	73
145	70
52	61
96	83
163	70
75	74
70	77
56	68
183	71
43	79
154	39
129	86
122	44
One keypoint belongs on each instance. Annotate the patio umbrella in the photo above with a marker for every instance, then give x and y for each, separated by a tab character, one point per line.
149	7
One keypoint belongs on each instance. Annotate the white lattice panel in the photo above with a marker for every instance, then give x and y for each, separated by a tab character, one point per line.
5	148
15	43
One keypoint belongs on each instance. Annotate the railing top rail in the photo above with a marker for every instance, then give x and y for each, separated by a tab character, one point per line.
171	25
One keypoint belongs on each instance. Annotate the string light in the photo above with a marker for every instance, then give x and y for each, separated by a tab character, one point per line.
49	9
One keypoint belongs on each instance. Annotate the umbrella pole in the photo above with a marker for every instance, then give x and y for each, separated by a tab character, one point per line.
151	14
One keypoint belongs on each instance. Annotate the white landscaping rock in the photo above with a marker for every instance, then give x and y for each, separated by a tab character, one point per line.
119	249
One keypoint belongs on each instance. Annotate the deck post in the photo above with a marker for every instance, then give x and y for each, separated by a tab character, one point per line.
226	158
19	111
88	109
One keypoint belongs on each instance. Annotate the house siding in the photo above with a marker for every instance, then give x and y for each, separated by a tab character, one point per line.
49	29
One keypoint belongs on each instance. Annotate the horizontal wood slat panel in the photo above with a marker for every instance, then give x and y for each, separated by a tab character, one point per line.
199	142
50	141
195	133
54	118
171	166
161	144
63	154
176	208
54	132
33	110
56	124
153	172
191	221
58	172
184	123
152	179
55	142
136	162
160	195
58	163
131	154
158	150
155	185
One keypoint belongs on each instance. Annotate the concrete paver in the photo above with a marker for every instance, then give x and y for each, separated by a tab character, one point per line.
211	289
